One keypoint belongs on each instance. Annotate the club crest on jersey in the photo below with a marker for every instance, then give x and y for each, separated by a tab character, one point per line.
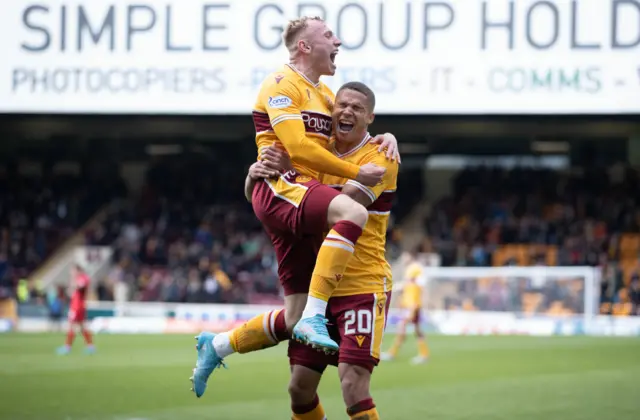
279	101
327	98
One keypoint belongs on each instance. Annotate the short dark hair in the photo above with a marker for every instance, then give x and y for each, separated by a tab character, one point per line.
362	88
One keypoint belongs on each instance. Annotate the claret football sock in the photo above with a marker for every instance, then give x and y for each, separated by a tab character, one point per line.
310	411
332	260
364	410
260	332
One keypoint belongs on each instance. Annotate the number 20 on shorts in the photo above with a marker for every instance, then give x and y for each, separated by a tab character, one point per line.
358	322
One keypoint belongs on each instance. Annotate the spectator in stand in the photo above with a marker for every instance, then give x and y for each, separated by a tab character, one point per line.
55	303
176	243
580	215
43	205
634	294
540	217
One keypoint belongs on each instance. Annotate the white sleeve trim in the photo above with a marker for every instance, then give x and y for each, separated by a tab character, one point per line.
364	189
285	117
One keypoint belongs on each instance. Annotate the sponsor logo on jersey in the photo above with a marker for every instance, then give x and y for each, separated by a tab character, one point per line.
360	340
317	123
290	176
294	177
279	101
278	78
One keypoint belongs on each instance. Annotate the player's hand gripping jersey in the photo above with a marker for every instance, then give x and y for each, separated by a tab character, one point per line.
296	112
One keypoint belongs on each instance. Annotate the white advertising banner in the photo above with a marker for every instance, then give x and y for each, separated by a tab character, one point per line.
419	56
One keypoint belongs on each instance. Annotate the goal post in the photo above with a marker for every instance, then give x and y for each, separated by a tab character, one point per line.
538	300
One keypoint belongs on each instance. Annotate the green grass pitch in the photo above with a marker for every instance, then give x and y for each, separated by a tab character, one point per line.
479	378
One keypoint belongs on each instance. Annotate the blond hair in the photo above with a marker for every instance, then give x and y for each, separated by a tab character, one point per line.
293	30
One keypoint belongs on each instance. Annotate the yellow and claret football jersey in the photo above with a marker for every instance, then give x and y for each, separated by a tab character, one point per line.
412	291
412	295
295	112
368	270
413	271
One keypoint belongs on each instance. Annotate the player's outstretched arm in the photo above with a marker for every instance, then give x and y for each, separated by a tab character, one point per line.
306	152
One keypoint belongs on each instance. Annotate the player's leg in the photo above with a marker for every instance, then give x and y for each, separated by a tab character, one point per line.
355	382
295	258
397	343
307	366
295	263
68	343
303	391
361	320
347	218
423	347
72	318
88	338
260	332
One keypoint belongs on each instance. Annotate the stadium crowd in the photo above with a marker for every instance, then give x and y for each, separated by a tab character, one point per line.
542	217
40	207
187	237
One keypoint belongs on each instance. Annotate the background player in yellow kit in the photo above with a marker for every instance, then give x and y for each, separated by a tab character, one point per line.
412	295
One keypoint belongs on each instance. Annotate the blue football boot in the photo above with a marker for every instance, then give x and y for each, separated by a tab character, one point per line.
208	361
313	332
63	350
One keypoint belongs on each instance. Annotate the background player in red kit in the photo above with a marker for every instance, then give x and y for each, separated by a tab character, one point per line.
78	310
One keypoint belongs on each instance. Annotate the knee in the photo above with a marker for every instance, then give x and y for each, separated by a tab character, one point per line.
300	392
358	214
344	208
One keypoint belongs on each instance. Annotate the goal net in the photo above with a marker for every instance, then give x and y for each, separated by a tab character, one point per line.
507	300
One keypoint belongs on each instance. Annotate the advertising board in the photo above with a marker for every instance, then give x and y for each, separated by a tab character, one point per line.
419	56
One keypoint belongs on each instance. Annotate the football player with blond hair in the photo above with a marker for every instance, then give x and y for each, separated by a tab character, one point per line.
293	111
